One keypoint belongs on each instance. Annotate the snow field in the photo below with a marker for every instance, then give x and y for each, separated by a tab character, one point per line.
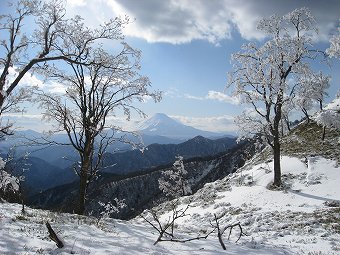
294	220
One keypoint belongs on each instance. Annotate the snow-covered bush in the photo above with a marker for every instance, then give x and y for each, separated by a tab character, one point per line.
109	208
173	183
330	116
8	183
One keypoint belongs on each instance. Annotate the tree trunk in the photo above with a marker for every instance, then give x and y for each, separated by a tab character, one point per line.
323	133
2	99
306	114
320	105
84	171
287	123
277	163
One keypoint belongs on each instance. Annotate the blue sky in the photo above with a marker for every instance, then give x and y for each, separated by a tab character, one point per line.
186	47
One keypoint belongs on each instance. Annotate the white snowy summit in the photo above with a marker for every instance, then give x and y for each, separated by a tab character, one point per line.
162	125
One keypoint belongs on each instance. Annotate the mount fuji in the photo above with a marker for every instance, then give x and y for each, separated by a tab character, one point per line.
162	125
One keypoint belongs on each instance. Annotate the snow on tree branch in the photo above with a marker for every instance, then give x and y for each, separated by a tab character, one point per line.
267	77
174	183
330	116
334	49
7	181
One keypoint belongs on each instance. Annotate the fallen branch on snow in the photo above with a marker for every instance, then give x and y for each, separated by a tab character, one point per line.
53	236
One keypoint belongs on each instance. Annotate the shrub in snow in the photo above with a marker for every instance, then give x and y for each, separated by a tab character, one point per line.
173	182
109	208
166	228
332	203
8	183
330	116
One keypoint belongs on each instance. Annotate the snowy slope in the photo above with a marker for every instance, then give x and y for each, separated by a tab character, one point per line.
295	220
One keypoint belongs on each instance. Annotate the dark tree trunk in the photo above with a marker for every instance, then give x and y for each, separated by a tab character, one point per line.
276	143
82	191
287	123
320	105
277	163
2	99
305	112
84	177
323	133
21	195
86	156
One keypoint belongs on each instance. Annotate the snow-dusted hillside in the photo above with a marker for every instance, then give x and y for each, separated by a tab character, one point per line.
302	218
298	219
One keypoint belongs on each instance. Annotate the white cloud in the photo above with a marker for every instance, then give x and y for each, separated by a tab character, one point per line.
188	96
35	122
219	96
172	93
121	121
224	123
27	80
216	95
55	87
175	21
28	121
76	3
31	80
182	21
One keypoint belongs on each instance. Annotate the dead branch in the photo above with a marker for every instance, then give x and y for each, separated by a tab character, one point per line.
220	231
53	236
231	228
186	240
166	230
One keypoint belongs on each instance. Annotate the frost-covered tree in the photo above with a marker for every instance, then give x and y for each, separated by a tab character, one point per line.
334	49
110	85
330	116
266	76
312	89
34	33
174	183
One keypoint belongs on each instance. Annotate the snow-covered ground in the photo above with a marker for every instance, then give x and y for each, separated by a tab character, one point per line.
295	220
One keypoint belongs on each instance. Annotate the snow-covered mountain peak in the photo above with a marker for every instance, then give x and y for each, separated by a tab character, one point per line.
159	120
162	125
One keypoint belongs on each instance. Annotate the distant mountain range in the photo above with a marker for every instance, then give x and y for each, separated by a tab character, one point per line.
45	169
140	190
164	138
162	154
159	129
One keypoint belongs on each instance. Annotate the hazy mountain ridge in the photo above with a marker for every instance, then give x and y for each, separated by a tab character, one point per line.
169	131
41	175
162	154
